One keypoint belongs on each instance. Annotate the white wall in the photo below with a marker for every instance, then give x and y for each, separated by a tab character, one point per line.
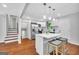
69	27
2	27
74	29
27	26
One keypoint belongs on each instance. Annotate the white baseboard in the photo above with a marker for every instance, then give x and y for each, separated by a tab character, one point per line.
1	41
10	41
19	42
75	43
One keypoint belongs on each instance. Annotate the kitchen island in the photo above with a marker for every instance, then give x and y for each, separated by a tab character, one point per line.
41	42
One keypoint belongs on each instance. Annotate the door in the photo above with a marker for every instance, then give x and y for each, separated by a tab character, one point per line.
12	22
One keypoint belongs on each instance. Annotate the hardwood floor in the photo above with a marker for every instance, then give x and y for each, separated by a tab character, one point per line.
27	47
73	49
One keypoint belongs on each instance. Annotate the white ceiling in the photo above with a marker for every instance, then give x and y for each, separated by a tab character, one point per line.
12	8
37	10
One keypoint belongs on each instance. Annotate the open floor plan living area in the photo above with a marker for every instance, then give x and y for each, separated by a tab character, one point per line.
39	29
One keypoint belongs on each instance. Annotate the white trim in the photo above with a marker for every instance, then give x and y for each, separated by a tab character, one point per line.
1	41
19	41
11	41
75	43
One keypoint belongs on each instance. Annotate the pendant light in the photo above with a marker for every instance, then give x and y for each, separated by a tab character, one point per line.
49	15
53	14
44	16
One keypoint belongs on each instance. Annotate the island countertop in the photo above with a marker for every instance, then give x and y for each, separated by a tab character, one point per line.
48	35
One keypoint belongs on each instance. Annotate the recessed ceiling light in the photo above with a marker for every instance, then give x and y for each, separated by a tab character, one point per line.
54	19
4	5
49	18
44	17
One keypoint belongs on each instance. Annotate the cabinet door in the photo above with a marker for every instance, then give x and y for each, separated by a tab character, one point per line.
39	44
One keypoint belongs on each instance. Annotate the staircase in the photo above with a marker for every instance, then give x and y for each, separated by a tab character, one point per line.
11	36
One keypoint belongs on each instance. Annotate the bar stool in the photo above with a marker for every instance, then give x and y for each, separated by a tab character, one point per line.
56	45
65	42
